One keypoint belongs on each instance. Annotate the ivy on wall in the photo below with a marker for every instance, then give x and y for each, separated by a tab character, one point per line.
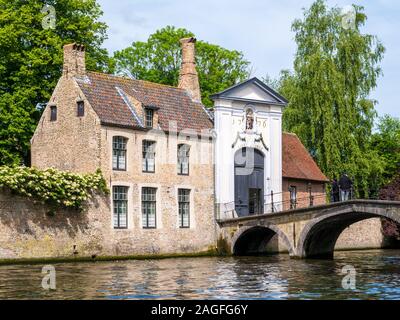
53	187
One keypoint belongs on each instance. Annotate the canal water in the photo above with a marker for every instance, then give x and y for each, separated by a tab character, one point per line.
274	277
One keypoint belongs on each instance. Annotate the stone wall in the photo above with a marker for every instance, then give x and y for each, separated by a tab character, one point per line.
362	235
28	232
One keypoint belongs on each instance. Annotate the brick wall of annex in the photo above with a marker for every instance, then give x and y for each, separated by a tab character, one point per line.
303	194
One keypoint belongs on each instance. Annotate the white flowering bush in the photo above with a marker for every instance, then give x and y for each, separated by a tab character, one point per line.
53	187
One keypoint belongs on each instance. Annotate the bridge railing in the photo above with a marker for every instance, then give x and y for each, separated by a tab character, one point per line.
272	205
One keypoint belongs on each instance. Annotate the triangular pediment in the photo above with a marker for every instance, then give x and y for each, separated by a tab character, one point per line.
252	90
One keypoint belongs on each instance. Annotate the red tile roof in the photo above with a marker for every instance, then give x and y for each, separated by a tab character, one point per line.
297	162
109	97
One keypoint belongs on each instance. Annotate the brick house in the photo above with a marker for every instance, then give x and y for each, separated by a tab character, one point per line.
303	181
155	145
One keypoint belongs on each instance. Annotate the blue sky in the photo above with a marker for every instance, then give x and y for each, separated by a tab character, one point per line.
260	29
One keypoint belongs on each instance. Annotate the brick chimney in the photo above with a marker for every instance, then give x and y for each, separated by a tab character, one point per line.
188	77
74	60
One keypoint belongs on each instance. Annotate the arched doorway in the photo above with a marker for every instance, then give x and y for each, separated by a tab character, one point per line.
249	182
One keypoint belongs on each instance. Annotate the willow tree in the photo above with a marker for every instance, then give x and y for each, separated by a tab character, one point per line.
335	69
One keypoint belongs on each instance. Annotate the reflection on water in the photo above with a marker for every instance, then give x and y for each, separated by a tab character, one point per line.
274	277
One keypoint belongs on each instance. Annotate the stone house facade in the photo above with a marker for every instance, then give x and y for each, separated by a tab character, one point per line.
153	144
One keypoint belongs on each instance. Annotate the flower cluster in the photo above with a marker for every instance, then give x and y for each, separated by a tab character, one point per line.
53	187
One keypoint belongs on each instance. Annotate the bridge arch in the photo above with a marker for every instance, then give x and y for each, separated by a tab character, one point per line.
254	239
318	238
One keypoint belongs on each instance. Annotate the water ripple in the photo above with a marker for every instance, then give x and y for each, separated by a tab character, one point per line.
274	277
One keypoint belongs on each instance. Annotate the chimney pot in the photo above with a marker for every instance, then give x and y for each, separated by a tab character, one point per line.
74	60
188	77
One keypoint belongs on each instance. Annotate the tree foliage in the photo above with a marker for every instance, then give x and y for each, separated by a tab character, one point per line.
335	70
31	61
159	59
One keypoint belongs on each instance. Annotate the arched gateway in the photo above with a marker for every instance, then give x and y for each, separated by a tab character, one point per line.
249	182
248	148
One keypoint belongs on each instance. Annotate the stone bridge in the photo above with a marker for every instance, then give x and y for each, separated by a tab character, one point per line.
307	233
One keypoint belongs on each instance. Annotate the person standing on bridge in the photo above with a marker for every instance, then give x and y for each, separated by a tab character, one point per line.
345	185
335	190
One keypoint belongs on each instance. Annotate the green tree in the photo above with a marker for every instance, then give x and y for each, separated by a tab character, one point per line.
387	143
335	69
32	35
159	59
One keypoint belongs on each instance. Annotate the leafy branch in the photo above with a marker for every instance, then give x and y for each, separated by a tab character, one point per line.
53	187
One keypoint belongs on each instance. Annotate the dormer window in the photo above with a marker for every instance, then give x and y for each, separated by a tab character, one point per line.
53	113
80	108
149	117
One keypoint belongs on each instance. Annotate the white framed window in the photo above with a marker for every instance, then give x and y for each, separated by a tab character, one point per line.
184	208
149	208
149	156
120	207
183	159
119	153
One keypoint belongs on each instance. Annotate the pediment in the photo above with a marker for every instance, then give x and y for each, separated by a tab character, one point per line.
252	90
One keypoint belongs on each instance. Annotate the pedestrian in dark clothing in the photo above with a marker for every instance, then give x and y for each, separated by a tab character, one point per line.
335	191
345	185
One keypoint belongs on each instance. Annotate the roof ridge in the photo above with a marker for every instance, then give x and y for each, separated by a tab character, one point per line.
139	80
290	133
263	86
